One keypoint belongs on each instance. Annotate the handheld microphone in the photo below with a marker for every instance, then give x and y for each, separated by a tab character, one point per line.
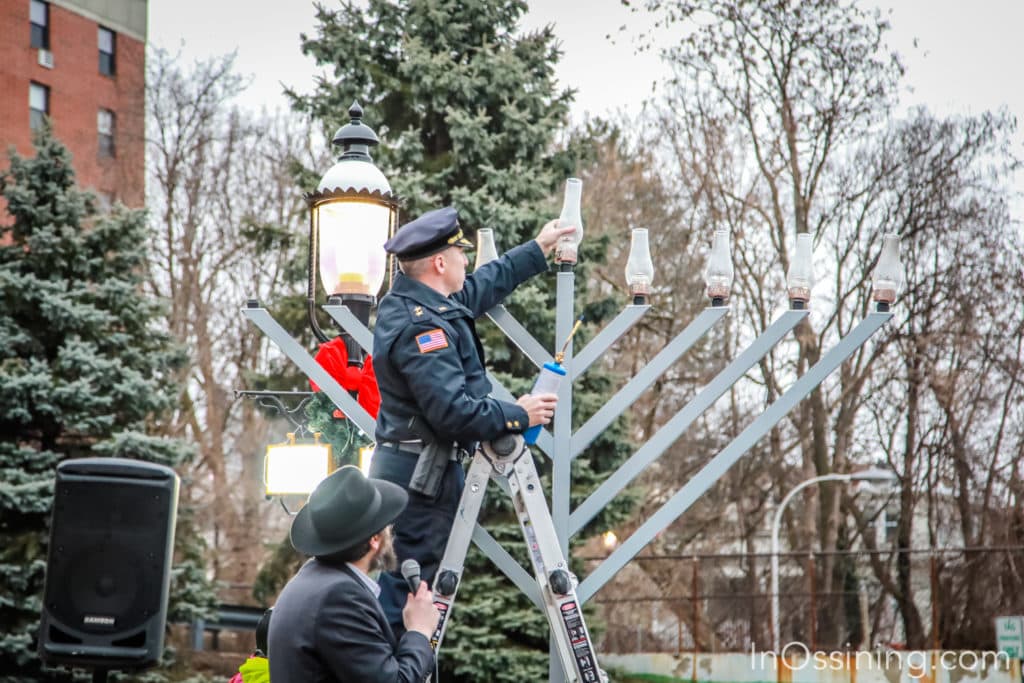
411	572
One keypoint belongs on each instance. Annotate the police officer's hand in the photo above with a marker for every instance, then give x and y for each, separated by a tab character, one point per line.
419	613
550	233
540	407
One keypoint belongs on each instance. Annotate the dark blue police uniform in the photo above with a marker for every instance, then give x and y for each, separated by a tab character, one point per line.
429	365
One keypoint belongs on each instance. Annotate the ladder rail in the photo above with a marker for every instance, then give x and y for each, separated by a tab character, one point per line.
449	574
510	462
562	606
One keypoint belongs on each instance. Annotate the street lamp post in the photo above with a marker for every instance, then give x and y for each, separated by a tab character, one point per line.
873	474
352	214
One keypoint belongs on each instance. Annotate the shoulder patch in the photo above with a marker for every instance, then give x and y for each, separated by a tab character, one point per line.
431	341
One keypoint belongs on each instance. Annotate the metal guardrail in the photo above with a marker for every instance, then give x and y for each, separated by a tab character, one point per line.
229	618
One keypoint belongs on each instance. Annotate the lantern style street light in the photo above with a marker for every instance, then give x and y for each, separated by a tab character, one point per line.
352	214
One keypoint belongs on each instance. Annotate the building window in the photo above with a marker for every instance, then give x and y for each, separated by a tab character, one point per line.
39	21
107	44
38	104
105	128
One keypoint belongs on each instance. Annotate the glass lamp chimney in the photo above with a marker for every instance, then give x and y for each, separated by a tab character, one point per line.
486	251
801	272
567	249
719	273
639	267
887	280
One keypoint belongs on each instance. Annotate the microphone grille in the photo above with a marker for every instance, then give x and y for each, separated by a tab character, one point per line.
410	568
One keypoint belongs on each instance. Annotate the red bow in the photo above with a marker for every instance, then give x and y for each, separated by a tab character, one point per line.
333	357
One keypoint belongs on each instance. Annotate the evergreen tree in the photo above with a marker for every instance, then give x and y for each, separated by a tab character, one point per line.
83	368
468	113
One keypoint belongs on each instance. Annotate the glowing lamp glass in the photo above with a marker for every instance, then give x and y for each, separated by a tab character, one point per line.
351	241
296	468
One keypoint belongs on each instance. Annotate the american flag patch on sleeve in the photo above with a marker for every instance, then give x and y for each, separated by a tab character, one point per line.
431	341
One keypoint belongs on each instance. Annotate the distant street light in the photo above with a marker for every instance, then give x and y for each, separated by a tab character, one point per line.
872	474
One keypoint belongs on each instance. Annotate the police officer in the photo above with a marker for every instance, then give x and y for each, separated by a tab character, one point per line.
429	365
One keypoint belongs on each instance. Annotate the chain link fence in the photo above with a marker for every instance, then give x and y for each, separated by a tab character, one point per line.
827	601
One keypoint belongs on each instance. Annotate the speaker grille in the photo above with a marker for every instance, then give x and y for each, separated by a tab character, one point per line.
109	541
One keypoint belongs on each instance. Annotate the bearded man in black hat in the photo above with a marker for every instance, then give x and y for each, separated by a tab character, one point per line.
433	382
328	624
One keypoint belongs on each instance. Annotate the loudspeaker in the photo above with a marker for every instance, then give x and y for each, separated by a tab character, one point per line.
109	565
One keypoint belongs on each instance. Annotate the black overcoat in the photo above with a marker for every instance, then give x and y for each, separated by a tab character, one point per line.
328	627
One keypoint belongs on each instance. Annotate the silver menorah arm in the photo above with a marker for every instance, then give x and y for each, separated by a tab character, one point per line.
352	325
641	381
618	326
727	457
519	335
260	317
652	449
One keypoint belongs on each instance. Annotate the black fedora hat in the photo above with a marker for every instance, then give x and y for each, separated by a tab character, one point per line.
344	510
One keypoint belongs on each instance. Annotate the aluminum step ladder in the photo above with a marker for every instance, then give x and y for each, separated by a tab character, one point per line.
509	458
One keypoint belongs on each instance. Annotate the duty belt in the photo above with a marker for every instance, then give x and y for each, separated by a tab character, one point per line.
416	447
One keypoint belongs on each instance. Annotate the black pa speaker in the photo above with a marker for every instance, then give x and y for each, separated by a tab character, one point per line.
109	566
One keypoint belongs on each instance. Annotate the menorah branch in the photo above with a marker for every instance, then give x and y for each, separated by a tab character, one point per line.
720	464
260	317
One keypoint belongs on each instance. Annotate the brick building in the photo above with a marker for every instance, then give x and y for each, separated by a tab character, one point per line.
82	63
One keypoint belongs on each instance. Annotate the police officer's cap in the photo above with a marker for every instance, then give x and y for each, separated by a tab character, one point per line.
432	232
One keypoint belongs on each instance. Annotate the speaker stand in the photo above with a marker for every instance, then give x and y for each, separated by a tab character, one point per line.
99	676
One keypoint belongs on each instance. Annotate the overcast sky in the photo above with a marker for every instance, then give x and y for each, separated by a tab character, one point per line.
968	56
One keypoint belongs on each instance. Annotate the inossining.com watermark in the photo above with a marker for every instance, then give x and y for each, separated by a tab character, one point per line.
797	656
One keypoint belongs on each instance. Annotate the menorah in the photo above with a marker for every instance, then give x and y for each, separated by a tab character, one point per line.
562	444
